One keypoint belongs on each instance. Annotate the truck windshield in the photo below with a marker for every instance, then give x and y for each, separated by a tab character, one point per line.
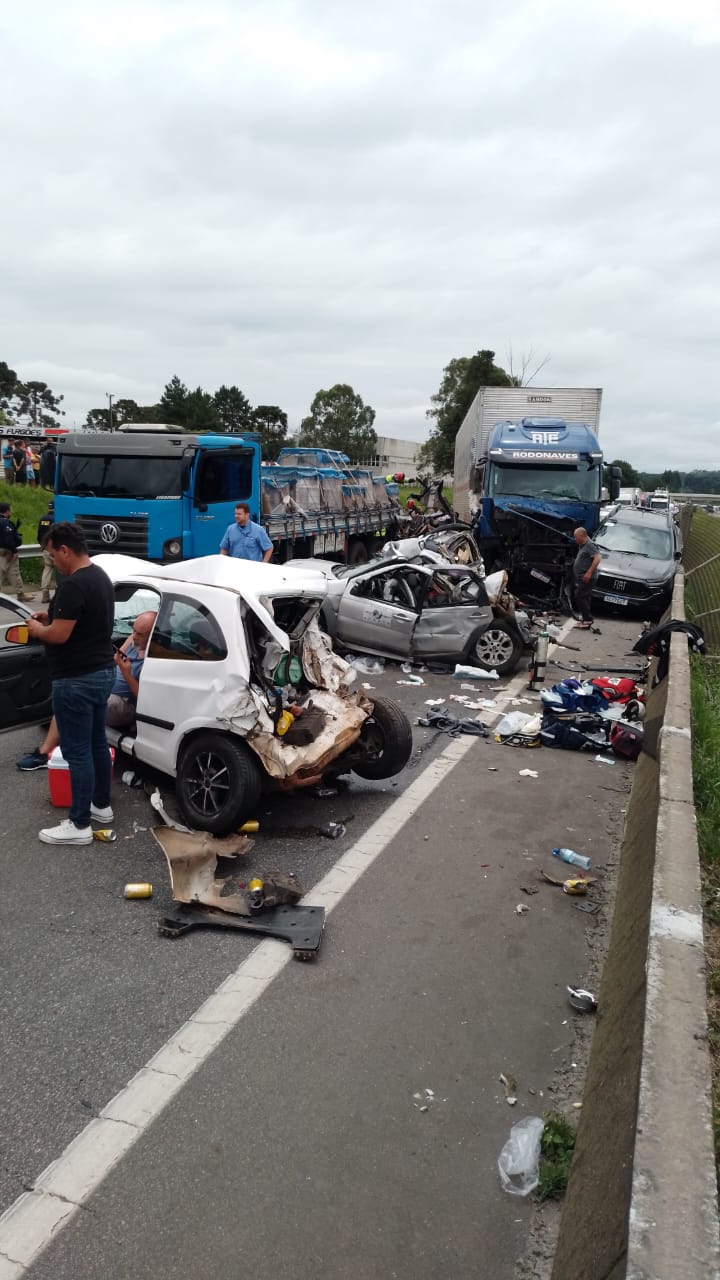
114	476
577	483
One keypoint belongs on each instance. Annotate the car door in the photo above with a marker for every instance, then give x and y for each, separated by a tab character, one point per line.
24	677
454	609
379	610
186	666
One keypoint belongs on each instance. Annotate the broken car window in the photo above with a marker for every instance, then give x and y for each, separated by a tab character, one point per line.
186	630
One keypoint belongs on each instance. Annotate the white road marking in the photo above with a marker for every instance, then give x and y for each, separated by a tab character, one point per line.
37	1216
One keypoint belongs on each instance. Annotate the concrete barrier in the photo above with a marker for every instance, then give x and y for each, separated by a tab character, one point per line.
642	1201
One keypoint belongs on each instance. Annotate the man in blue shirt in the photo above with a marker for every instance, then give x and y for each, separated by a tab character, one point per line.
244	539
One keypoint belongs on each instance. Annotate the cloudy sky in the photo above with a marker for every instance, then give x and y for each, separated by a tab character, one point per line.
290	195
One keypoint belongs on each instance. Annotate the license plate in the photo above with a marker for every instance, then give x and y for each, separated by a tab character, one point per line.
614	599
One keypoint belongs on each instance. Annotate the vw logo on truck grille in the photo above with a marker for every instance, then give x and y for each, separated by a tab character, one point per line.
109	533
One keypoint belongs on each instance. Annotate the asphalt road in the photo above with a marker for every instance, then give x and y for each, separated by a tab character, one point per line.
298	1146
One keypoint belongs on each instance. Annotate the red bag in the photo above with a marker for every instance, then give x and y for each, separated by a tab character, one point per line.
626	741
617	688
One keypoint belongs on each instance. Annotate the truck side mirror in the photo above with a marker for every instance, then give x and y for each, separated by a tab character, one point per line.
615	482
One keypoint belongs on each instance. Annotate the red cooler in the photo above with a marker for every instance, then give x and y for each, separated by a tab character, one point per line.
59	778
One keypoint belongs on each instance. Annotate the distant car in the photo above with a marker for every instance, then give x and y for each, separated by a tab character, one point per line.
233	647
415	611
640	553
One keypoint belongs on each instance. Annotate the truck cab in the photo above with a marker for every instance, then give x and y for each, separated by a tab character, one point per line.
539	480
157	494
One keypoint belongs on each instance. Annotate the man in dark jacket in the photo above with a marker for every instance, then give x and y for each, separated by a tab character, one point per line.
10	540
77	631
47	466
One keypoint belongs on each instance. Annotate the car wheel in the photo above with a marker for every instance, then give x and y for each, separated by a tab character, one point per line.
218	784
386	740
499	647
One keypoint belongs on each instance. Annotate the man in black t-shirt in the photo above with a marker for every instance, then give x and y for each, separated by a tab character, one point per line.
77	630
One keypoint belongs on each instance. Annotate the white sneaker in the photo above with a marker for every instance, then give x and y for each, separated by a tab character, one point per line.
102	815
66	833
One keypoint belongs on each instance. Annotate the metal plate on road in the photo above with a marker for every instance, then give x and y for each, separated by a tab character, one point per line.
614	599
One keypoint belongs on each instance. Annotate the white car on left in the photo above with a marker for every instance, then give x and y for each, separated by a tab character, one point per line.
240	689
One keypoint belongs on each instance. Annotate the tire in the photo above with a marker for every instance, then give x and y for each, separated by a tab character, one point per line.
235	795
357	552
387	736
500	647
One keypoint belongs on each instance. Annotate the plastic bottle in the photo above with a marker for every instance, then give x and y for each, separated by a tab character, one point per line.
575	859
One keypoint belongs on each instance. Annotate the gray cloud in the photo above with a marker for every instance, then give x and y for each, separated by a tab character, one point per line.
319	194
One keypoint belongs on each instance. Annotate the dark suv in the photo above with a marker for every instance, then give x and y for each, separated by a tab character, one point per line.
640	552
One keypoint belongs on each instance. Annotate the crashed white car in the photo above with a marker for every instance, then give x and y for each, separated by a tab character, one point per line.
241	689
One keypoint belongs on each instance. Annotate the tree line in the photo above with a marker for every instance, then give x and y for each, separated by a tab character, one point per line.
27	403
698	481
338	418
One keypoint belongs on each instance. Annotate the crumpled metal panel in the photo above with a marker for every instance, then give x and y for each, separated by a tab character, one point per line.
448	630
192	862
344	718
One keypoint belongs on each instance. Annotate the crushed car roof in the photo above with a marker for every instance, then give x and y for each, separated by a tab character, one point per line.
253	582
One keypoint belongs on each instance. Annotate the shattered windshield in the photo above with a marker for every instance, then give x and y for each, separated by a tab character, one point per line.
120	477
578	483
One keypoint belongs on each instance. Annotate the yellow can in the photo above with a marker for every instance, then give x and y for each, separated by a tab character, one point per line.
138	890
249	828
578	887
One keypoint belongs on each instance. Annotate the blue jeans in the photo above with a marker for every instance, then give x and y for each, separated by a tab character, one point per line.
79	704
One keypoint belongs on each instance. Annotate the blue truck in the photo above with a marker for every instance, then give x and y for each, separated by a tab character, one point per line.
165	496
526	480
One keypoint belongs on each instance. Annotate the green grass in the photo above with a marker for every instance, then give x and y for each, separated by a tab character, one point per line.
705	686
556	1152
28	505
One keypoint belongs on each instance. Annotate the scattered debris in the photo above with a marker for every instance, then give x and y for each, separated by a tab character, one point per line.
521	909
412	679
424	1099
577	888
510	1084
604	759
462	672
451	725
106	835
581	1000
321	792
590	907
528	773
528	889
333	830
157	804
138	890
434	702
519	1160
369	666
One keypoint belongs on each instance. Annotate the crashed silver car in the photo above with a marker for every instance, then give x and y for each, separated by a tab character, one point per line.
240	688
416	611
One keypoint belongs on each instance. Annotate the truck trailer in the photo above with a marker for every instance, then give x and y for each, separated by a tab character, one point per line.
528	471
166	496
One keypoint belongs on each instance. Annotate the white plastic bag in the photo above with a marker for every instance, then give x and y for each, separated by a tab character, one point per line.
514	722
474	673
370	666
519	1159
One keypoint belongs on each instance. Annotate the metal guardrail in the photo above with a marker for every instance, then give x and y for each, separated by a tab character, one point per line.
27	552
